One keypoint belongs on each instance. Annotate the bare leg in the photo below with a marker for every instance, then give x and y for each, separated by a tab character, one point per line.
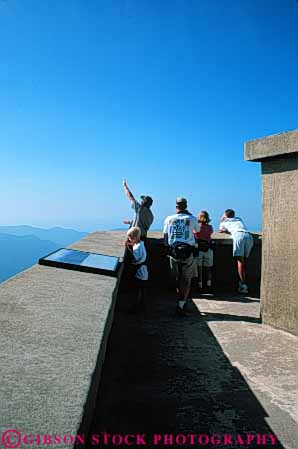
178	289
209	276
200	272
241	268
186	293
185	285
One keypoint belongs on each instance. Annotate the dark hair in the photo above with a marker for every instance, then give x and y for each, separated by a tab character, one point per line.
206	215
147	201
181	206
230	213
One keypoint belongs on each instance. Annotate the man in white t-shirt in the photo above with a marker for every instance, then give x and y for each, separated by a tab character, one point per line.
179	236
242	243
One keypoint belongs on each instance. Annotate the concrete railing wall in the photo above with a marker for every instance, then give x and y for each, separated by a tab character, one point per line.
278	155
225	277
54	327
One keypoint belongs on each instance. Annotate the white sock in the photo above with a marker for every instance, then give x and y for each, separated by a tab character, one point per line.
181	303
200	284
208	283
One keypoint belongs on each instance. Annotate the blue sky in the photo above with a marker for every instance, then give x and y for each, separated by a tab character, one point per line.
162	93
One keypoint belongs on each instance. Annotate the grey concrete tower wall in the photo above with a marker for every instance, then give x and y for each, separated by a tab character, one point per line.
279	285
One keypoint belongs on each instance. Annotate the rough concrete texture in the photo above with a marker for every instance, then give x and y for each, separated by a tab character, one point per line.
280	243
279	156
53	327
216	371
105	242
271	146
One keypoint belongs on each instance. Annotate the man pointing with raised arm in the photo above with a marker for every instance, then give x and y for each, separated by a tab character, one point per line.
143	216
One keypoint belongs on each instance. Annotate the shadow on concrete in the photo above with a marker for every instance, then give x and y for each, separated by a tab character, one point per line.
207	316
225	317
167	374
274	165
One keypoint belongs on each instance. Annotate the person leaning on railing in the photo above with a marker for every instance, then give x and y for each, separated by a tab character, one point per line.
204	258
242	244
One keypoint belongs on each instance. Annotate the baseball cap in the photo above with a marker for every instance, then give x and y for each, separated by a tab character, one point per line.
147	200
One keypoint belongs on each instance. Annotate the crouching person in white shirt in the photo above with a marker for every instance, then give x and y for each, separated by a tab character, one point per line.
138	262
242	244
179	230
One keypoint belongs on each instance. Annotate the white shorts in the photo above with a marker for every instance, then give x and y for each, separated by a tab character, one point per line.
205	258
242	244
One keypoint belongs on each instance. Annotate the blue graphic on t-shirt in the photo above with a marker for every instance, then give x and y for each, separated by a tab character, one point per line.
179	229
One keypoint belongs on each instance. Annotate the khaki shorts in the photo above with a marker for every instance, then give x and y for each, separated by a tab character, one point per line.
186	269
205	258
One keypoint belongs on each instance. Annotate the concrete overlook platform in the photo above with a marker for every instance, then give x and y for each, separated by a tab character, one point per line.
74	360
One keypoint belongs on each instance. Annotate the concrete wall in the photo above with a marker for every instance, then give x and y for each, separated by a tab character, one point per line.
224	272
279	287
54	326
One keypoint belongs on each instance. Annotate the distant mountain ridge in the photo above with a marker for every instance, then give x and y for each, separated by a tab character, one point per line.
22	246
57	235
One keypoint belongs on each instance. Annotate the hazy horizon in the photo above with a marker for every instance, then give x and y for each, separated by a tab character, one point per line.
158	226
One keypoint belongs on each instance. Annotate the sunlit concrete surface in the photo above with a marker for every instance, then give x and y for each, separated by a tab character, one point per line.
267	358
54	325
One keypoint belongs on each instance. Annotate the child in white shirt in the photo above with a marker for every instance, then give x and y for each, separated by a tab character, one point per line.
137	249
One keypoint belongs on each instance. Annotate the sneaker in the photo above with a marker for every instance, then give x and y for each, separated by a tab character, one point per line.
243	288
199	288
182	310
209	290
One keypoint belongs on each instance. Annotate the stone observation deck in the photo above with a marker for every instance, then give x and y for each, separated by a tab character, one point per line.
74	360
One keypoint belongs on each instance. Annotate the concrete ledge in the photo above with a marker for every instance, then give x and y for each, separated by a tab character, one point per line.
54	324
218	237
271	146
